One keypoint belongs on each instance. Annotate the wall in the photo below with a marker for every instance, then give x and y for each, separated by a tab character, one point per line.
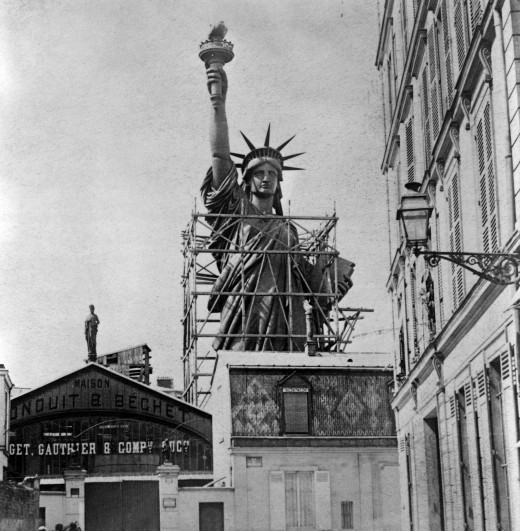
364	477
189	499
54	503
18	508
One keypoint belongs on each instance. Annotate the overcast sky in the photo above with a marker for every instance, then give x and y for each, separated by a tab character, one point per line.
104	144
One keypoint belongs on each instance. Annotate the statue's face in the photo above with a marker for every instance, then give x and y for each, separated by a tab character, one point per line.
264	181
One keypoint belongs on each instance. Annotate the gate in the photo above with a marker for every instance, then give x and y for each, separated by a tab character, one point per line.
122	506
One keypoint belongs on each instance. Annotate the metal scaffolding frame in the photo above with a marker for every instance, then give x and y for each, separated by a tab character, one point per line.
316	242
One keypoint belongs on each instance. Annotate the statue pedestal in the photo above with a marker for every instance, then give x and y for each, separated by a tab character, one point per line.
169	496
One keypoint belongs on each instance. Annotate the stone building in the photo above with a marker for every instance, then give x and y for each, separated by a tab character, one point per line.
306	442
450	74
5	404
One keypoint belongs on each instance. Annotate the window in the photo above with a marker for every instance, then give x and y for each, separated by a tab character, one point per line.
410	159
347	515
499	370
446	55
455	228
295	397
464	400
299	500
253	462
485	155
433	473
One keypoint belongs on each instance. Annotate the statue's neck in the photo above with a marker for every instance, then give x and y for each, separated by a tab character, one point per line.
264	204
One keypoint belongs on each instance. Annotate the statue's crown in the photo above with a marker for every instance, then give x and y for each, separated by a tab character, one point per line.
265	151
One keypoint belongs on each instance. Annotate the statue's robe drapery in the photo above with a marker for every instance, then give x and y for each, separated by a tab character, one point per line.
266	315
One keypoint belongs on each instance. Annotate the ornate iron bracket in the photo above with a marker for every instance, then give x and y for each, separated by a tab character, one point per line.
498	268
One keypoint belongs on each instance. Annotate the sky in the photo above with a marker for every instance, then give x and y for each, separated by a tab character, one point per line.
104	144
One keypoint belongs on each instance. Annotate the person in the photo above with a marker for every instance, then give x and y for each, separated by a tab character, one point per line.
253	291
91	328
58	527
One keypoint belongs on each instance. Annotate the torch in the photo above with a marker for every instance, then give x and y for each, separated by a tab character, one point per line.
215	52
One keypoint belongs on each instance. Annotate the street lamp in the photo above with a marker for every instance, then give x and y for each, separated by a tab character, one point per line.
414	214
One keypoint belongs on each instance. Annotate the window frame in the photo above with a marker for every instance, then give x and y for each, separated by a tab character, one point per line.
285	385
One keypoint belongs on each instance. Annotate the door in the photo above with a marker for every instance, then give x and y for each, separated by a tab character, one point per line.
211	516
122	506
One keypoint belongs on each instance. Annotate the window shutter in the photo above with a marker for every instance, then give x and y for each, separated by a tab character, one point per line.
426	116
276	501
460	32
455	240
435	94
347	515
488	208
475	8
448	72
323	509
505	365
409	150
404	28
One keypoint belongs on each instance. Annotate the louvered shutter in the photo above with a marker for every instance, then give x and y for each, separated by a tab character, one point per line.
475	14
473	435
488	207
446	40
410	166
404	28
435	92
480	398
461	32
444	446
453	458
455	227
426	115
276	500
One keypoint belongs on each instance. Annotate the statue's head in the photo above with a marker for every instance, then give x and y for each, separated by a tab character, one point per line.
265	155
91	306
262	178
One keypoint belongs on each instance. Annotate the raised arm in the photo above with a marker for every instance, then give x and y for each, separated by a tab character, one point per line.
218	129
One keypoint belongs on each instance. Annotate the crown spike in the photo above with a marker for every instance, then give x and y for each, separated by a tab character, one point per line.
267	136
292	156
248	142
289	168
239	155
279	148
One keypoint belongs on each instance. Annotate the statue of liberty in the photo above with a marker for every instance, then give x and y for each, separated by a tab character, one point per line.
257	273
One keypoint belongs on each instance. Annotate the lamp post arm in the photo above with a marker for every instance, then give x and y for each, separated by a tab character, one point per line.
498	268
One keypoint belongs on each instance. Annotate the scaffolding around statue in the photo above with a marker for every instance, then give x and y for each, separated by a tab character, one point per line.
333	324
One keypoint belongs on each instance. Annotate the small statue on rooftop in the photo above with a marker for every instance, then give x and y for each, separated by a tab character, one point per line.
91	328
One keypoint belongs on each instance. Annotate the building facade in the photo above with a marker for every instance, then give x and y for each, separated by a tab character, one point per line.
96	440
450	73
5	404
306	442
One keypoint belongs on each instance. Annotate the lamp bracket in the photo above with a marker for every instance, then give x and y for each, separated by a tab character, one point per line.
499	268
